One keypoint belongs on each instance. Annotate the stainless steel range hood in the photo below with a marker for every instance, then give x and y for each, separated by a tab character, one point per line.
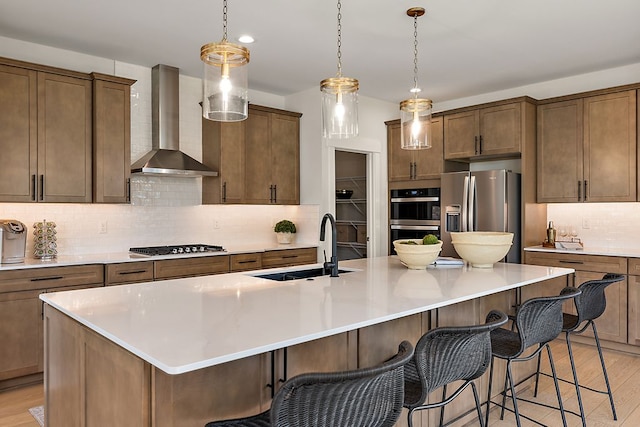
165	157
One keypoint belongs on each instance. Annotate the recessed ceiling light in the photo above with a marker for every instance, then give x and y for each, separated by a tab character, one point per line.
246	39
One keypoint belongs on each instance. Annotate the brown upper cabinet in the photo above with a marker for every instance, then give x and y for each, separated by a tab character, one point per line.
258	160
493	130
587	148
410	165
45	134
111	138
47	121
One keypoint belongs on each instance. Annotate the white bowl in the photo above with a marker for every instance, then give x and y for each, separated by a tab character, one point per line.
482	249
417	257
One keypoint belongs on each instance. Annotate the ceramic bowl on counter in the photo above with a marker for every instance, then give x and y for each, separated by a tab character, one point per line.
417	256
344	194
482	249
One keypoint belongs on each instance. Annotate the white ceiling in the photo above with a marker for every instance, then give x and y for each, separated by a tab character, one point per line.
466	47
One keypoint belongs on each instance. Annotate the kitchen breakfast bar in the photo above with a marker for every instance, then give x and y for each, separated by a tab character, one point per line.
186	351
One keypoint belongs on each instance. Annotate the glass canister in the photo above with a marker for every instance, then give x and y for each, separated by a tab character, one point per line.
45	244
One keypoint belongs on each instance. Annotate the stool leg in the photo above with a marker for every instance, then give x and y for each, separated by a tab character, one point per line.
486	419
513	394
444	397
504	393
477	399
575	379
535	389
604	371
555	381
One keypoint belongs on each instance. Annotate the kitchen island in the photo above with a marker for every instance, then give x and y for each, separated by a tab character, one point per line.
185	351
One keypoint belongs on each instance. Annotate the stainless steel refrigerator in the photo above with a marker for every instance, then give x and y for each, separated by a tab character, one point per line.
480	201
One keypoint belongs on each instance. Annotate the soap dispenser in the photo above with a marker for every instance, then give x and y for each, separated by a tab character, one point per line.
551	234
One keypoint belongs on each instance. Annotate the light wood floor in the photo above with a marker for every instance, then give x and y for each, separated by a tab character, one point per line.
623	368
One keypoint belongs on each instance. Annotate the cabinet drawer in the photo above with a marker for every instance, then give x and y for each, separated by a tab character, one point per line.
51	277
287	257
190	267
129	272
243	262
595	263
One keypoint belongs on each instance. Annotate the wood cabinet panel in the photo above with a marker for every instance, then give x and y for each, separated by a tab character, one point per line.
64	139
223	146
461	134
289	257
128	272
285	159
18	133
20	333
190	267
243	262
595	263
111	138
633	289
500	129
407	165
51	277
587	149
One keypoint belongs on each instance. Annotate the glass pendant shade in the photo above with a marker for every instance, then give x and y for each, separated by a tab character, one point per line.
415	124
226	84
339	107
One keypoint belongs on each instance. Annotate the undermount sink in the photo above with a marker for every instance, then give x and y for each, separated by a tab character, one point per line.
298	274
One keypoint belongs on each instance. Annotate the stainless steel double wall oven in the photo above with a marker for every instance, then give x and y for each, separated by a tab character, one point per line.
413	214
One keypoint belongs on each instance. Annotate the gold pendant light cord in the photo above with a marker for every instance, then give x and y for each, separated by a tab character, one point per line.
415	56
339	39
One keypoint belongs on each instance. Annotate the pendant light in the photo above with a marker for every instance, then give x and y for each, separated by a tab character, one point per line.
415	113
225	80
339	99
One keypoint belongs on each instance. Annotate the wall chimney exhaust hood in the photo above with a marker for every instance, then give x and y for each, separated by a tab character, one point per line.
165	157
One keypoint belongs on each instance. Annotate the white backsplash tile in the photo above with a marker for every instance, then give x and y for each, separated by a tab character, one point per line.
603	225
79	225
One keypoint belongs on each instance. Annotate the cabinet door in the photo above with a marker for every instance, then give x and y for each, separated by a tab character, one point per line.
461	135
20	334
289	257
258	184
634	308
223	151
559	151
429	163
285	159
64	139
500	130
128	272
190	267
400	162
18	134
610	147
112	142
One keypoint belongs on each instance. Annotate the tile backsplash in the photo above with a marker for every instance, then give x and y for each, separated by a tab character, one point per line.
96	229
602	225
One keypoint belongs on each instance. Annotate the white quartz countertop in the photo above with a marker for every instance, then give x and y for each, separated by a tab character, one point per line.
186	324
590	250
119	257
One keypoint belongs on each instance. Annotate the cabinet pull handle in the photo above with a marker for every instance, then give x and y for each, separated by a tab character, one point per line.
251	261
585	190
40	279
475	144
571	262
271	193
480	144
131	272
34	193
413	175
42	187
273	373
128	190
275	193
579	190
224	191
289	256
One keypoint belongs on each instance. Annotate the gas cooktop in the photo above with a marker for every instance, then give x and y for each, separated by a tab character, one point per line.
176	249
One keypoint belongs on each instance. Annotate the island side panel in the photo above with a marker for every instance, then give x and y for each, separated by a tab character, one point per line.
91	381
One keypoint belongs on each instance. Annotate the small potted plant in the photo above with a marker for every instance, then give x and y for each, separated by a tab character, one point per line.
285	231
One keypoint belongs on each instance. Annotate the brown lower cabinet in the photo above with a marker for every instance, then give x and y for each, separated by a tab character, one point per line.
612	325
21	352
289	257
190	267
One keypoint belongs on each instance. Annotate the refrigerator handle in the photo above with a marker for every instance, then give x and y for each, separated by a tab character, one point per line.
472	203
465	203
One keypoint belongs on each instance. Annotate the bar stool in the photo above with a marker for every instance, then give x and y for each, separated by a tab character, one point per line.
538	321
448	354
590	305
362	397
